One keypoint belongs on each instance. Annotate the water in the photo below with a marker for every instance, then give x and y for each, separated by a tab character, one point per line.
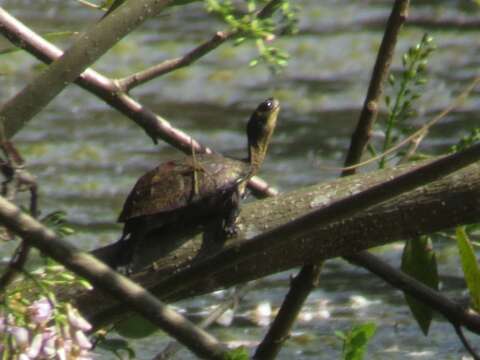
87	156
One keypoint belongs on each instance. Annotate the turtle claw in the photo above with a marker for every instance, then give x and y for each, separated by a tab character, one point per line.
230	230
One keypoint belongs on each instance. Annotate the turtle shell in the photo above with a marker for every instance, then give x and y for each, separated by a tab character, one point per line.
176	185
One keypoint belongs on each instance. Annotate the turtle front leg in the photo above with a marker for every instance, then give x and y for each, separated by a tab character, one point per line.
232	210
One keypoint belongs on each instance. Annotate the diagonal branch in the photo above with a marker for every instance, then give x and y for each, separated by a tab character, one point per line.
87	48
362	133
336	211
423	211
109	281
309	275
127	83
106	89
452	311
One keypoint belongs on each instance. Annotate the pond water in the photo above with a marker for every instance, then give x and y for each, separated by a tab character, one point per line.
87	156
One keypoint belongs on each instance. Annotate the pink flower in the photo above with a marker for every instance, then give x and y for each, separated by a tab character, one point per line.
3	324
35	347
49	349
77	321
40	312
81	340
23	356
21	336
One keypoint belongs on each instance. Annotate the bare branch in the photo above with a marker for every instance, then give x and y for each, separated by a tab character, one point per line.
109	281
423	211
279	331
172	348
465	342
87	48
361	136
15	266
127	83
141	77
239	251
309	274
106	89
17	178
452	311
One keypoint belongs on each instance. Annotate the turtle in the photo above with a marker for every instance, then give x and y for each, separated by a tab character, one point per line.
195	190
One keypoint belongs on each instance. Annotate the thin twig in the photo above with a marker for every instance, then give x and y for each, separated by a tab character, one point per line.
128	83
279	331
362	134
105	279
17	177
466	344
452	311
417	133
172	348
15	266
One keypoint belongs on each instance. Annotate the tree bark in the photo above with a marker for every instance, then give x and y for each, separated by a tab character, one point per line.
451	201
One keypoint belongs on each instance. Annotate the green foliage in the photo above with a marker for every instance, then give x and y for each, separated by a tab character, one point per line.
355	341
239	353
246	25
56	221
419	261
407	88
117	347
467	140
470	266
135	327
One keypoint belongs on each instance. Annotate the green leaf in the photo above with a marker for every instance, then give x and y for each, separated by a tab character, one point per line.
116	346
240	353
356	340
135	327
419	261
469	265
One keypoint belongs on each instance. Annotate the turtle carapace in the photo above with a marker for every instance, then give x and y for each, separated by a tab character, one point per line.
195	190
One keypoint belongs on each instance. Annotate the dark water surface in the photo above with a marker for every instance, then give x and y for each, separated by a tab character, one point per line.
87	156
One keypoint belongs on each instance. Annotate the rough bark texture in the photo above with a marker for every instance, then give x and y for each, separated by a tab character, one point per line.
451	201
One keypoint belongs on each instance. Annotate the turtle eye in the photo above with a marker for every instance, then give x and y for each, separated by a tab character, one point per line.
267	105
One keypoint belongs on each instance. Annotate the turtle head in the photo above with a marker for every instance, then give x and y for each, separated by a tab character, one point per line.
259	131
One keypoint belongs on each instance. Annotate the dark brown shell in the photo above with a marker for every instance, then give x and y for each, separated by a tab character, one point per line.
170	186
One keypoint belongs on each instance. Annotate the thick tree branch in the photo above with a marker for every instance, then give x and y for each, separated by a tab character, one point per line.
107	280
443	204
